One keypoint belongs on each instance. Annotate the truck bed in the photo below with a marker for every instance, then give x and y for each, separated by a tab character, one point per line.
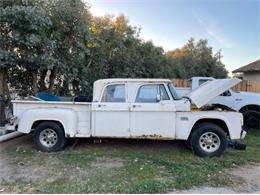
82	109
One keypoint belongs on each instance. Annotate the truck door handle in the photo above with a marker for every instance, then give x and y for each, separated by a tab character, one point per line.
135	106
101	105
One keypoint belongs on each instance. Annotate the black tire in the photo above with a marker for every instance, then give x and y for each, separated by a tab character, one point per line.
252	119
200	145
59	140
187	144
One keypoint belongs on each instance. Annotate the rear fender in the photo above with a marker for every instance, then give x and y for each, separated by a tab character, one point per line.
67	117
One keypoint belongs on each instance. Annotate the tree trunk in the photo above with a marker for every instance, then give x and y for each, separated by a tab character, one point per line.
34	82
75	86
52	78
42	86
2	82
2	111
3	92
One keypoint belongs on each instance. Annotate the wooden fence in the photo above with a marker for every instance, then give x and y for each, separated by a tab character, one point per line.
245	85
181	83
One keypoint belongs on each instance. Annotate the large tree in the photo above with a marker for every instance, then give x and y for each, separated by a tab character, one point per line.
69	34
24	26
44	44
198	59
116	50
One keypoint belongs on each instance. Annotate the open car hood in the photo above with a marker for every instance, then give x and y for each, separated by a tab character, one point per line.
209	90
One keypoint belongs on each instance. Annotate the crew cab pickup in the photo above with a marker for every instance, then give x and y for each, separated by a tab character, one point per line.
133	108
247	103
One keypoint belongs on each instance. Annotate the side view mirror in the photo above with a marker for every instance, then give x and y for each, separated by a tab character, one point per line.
158	98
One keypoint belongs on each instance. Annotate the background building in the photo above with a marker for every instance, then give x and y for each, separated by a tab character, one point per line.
249	72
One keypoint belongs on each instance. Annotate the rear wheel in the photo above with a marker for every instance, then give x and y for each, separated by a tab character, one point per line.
49	136
208	139
252	119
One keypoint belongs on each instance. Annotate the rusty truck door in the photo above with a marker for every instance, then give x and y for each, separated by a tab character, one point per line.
110	115
152	113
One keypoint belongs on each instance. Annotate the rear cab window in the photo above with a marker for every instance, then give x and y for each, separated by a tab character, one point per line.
114	93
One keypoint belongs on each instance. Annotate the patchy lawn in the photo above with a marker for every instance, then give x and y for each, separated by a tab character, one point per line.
118	166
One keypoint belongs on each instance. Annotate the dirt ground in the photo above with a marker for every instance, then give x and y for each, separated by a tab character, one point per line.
249	177
246	178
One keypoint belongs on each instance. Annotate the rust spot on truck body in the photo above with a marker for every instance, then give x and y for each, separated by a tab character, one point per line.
149	137
152	136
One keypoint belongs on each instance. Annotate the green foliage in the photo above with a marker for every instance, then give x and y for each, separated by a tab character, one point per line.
59	46
117	51
197	59
70	32
24	27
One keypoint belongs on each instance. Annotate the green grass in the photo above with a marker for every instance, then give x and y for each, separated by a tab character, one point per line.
145	167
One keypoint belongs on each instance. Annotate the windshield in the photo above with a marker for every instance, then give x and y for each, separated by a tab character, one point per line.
173	91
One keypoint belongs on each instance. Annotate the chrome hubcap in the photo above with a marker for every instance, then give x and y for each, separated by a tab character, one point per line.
209	142
48	138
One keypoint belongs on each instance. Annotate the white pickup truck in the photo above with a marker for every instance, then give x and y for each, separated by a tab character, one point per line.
133	108
247	103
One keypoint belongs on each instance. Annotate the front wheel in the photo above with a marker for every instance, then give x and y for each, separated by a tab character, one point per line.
49	137
208	139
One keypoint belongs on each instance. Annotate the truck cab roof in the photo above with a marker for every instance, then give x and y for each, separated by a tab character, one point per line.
200	96
130	80
101	83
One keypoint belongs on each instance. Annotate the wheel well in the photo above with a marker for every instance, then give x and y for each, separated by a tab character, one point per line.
218	122
36	123
250	107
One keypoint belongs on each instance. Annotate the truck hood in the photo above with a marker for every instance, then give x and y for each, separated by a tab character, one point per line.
209	90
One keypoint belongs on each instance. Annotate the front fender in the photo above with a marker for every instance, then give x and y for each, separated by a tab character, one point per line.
233	121
67	117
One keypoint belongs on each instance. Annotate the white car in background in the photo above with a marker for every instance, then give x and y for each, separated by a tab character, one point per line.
248	103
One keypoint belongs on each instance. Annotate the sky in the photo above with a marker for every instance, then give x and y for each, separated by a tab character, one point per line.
230	25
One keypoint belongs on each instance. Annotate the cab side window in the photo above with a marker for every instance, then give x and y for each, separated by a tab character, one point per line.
114	93
149	93
163	93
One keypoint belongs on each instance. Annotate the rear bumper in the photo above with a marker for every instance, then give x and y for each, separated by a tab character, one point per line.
11	135
8	132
